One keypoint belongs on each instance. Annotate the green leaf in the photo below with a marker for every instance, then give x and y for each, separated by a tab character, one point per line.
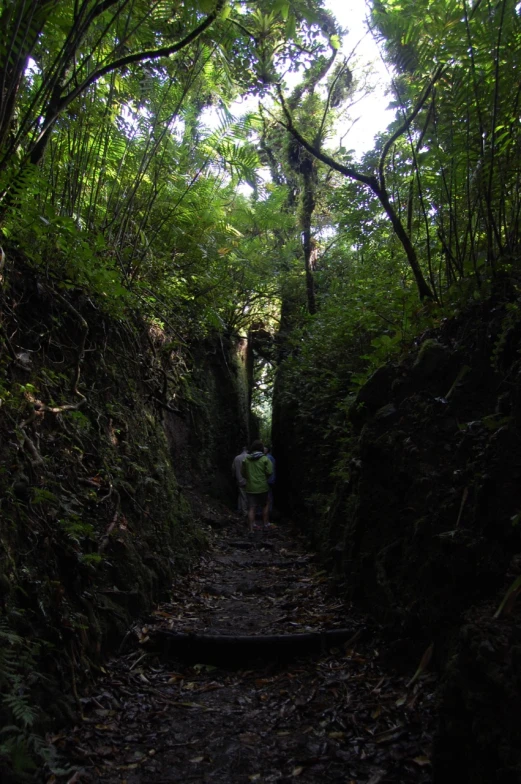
281	7
291	26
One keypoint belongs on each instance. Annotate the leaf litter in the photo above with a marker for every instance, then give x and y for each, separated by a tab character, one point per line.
340	716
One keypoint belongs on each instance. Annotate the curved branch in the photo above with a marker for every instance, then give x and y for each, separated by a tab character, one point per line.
377	186
138	57
406	123
347	171
308	86
122	62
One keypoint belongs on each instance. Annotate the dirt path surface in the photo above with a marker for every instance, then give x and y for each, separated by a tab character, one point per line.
190	701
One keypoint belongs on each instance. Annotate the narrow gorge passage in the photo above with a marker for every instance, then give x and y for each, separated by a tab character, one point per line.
167	711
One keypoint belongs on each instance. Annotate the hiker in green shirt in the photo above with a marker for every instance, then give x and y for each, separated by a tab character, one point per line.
256	468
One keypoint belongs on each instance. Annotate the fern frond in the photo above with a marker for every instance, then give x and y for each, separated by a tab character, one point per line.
19	706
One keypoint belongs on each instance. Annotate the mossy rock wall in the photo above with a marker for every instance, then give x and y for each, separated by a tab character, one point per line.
215	421
304	456
419	507
422	523
94	520
421	519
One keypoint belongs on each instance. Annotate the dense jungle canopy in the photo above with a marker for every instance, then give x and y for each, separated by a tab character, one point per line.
111	178
177	187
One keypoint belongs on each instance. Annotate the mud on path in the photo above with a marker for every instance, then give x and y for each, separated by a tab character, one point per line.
181	705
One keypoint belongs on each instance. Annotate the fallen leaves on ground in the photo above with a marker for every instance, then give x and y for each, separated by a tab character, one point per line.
340	717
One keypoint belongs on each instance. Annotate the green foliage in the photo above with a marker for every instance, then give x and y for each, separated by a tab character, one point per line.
21	748
134	200
464	173
75	528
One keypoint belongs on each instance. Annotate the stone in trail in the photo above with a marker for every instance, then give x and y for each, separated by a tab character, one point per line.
191	700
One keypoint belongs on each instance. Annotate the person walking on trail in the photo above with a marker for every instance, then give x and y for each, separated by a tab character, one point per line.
257	469
242	501
271	480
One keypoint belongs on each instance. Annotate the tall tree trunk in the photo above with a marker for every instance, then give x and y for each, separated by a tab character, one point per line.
306	214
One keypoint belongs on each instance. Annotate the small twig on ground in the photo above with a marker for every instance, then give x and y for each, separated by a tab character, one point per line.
143	656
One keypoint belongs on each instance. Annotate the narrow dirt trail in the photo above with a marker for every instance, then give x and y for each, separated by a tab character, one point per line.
189	702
